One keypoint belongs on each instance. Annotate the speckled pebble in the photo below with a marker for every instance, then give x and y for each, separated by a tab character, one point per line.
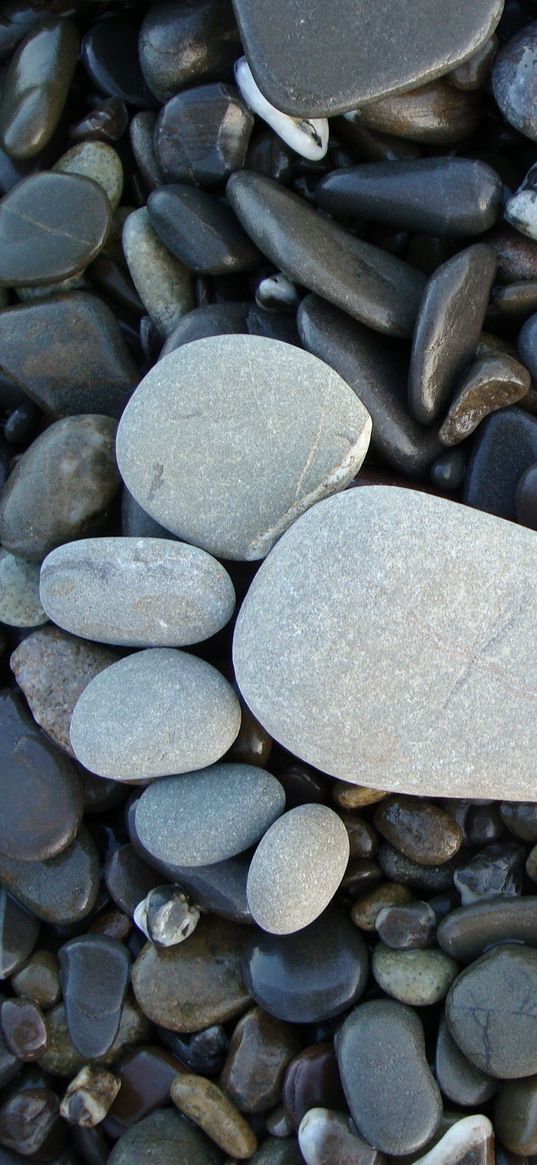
19	592
420	978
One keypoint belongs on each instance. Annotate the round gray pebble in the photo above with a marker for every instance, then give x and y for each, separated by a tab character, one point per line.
416	977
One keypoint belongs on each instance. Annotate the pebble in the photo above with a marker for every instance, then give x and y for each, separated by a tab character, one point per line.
419	978
396	737
136	592
447	332
277	1151
447	472
144	1077
307	136
36	87
38	978
202	1052
407	926
308	976
23	1028
198	983
520	818
525	498
19	931
201	231
490	383
425	879
95	976
60	890
174	1138
474	72
393	1098
297	868
311	1079
110	57
468	1139
163	283
435	114
260	1050
421	831
458	1079
490	1014
515	1116
62	1058
373	286
513	80
202	135
467	932
89	1096
504	447
61	487
308	69
128	878
166	916
325	1136
318	436
527	344
204	1103
219	888
19	592
368	906
29	1122
210	815
154	713
98	161
521	212
186	46
496	871
455	197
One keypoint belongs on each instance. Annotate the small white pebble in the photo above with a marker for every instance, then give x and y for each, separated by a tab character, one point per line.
307	136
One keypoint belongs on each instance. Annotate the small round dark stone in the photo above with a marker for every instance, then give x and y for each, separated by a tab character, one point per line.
408	926
23	1028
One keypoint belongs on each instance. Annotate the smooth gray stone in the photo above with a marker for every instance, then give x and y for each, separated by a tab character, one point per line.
458	1079
365	673
18	934
515	1121
308	68
435	114
95	971
62	890
208	816
210	402
504	446
372	365
141	136
492	1014
163	283
166	1137
419	978
231	318
154	713
455	197
201	230
466	932
186	44
448	328
96	160
136	592
393	1098
514	80
527	345
373	286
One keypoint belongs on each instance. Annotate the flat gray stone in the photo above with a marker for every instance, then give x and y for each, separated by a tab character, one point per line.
204	817
297	868
163	283
136	592
228	439
154	713
491	1011
409	665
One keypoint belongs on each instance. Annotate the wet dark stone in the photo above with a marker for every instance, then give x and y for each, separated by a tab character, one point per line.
410	926
23	1028
513	80
30	1123
435	114
176	1139
109	54
95	974
260	1050
135	523
202	134
22	424
426	879
312	1081
146	1075
496	871
128	878
526	498
106	122
18	934
505	445
36	86
467	932
18	19
308	976
527	345
420	830
187	44
201	230
203	1052
520	818
303	785
483	824
459	1080
448	471
61	890
269	155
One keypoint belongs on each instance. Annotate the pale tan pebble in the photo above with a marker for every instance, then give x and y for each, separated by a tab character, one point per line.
205	1104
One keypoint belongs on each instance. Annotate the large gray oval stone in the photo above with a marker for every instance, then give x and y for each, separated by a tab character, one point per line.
390	640
208	816
154	713
136	591
228	439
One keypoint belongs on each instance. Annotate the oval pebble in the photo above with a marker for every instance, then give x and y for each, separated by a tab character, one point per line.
136	592
154	713
297	868
209	815
491	1013
166	1137
276	426
416	977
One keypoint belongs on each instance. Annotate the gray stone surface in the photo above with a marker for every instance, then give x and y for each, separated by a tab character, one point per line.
228	439
19	592
409	664
162	282
96	160
491	1012
136	592
166	1137
154	713
208	816
514	80
297	868
419	978
468	931
459	1080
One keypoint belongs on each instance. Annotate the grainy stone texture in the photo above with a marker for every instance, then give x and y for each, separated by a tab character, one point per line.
315	660
418	977
162	282
212	399
19	592
167	1135
96	160
492	1013
208	1107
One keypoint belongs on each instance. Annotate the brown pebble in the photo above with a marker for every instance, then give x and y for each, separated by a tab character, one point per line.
312	1081
39	979
205	1104
261	1047
24	1029
362	837
365	910
349	796
89	1096
490	383
418	829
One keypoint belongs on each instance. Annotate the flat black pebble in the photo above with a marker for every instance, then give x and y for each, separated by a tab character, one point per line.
505	445
467	932
61	890
201	230
187	44
202	134
110	56
95	973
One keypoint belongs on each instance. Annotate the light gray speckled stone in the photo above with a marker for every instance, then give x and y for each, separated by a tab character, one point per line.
19	592
136	591
209	815
97	160
228	439
162	282
154	713
389	640
296	868
417	977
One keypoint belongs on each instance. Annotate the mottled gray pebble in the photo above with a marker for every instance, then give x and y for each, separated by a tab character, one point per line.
19	592
418	977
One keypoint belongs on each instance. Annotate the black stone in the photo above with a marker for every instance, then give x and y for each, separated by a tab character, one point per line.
202	135
427	879
201	230
128	878
467	932
62	890
95	974
109	54
203	1052
19	931
505	445
22	424
407	927
527	345
448	471
187	44
135	523
142	134
497	871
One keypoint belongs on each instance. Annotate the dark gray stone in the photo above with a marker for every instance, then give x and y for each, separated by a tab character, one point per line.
202	134
95	974
491	1011
186	45
408	926
527	345
36	86
168	1137
61	890
526	498
201	230
514	80
18	934
459	1080
467	932
497	871
505	446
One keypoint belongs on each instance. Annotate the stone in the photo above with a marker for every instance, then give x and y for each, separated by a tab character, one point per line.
61	890
518	299
496	871
19	592
187	45
178	713
312	1079
200	230
421	831
527	344
393	1098
105	122
144	1077
278	1151
525	498
36	87
188	987
490	383
447	472
435	114
311	975
166	916
38	978
109	54
425	879
40	789
204	1103
503	448
52	669
309	70
136	592
163	283
202	135
61	487
316	442
23	1028
520	819
98	161
168	1134
67	353
375	287
202	1052
325	1135
128	878
470	1138
62	1058
467	932
515	1116
219	888
394	726
253	745
95	975
209	815
141	135
419	978
459	1080
367	908
307	136
89	1096
490	1011
260	1050
297	868
447	332
408	926
521	212
475	71
19	931
513	80
456	197
29	1123
371	364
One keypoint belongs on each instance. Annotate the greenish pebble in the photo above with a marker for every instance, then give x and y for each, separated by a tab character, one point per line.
416	977
162	282
19	592
96	160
